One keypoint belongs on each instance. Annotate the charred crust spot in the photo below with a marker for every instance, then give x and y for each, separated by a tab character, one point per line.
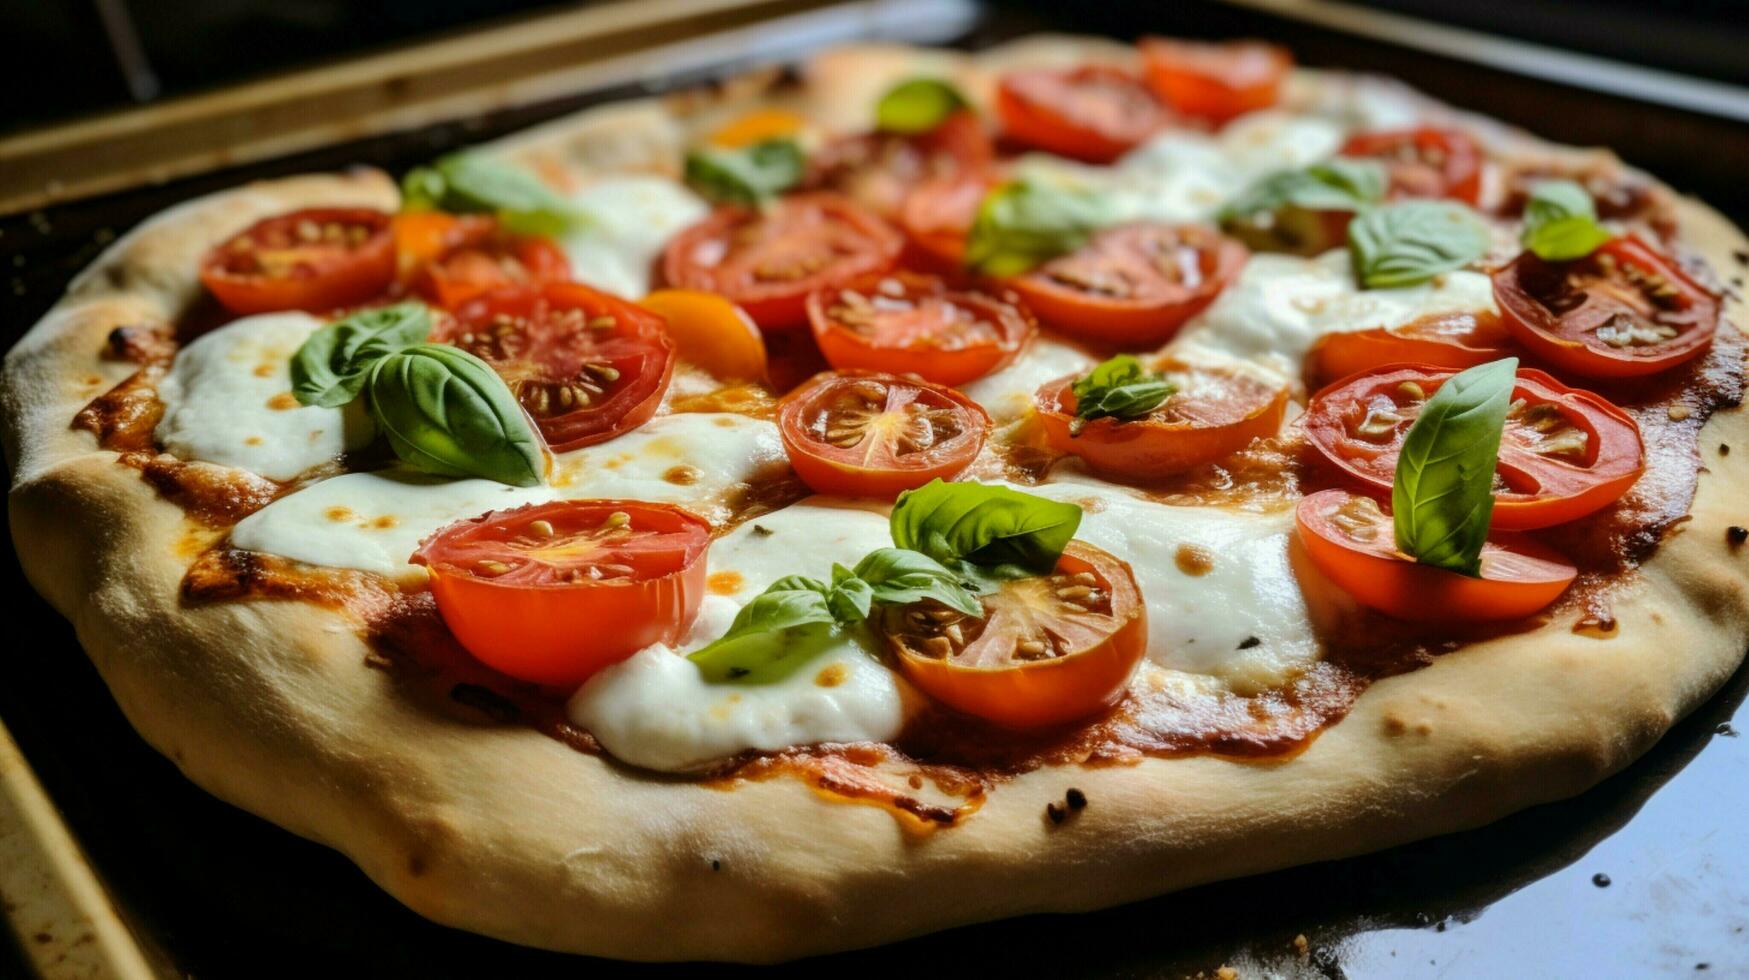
716	865
1250	642
1076	799
416	864
139	344
761	531
1055	814
1736	534
486	701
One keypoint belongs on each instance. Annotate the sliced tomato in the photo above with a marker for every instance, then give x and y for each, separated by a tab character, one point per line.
710	332
552	593
1564	452
861	434
1095	113
1214	412
767	260
1453	340
1215	81
1133	284
585	365
938	214
1622	311
1618	194
1048	650
318	259
878	170
916	324
1353	543
1425	162
451	259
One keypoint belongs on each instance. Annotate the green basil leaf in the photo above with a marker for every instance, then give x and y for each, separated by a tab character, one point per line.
850	597
1023	223
900	576
1413	241
1443	495
1119	388
785	626
747	175
330	368
918	105
1284	212
470	182
446	412
1560	222
984	525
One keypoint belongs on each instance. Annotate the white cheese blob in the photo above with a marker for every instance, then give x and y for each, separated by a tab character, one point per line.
1007	394
227	400
699	460
631	220
802	539
372	521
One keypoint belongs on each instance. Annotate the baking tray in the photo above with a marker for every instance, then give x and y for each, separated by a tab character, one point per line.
1646	874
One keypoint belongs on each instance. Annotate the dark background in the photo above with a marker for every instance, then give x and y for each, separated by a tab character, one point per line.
224	894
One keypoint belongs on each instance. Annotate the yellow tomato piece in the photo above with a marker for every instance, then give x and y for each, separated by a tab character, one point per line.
710	332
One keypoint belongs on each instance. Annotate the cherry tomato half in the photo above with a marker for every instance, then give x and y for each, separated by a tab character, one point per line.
585	365
318	259
861	434
710	332
768	260
552	593
1353	542
1133	284
1564	452
878	170
1215	81
1622	311
938	214
1048	650
450	259
1453	340
1214	412
1095	113
1425	162
911	323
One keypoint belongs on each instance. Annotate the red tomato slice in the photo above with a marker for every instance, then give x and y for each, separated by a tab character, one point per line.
1353	543
937	216
318	259
585	365
1426	162
552	593
1453	340
1214	413
1564	452
1048	650
861	434
911	323
451	259
1134	284
767	260
1215	81
878	170
1095	113
1624	310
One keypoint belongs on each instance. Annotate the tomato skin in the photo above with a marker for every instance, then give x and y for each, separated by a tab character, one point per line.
1094	113
1215	81
1425	162
560	633
1452	340
710	332
450	259
1152	314
937	218
875	470
918	349
788	235
1139	450
1043	693
1544	490
321	275
1520	576
879	170
1550	336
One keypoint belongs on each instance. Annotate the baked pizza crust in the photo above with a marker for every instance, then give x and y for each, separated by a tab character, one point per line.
505	831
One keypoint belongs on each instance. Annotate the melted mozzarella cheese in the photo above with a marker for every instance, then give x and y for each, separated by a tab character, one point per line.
227	399
1007	394
631	220
700	460
803	539
372	521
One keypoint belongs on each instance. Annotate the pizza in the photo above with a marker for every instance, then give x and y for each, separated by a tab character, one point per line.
916	489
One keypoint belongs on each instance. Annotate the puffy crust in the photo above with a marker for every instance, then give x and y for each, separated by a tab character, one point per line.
507	832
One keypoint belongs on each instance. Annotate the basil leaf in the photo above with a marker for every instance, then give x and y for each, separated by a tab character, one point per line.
896	575
1443	494
446	412
1119	388
1284	212
850	597
984	525
784	627
746	175
1411	242
917	105
1023	223
470	182
1560	222
330	368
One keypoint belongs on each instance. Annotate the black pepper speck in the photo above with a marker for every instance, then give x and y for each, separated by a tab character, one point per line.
1075	798
1737	534
1600	879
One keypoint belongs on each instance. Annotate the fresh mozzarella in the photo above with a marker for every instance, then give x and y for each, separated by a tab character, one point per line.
803	539
227	399
372	521
1007	394
700	460
630	221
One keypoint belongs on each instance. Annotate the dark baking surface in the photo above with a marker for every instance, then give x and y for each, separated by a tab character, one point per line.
1646	874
